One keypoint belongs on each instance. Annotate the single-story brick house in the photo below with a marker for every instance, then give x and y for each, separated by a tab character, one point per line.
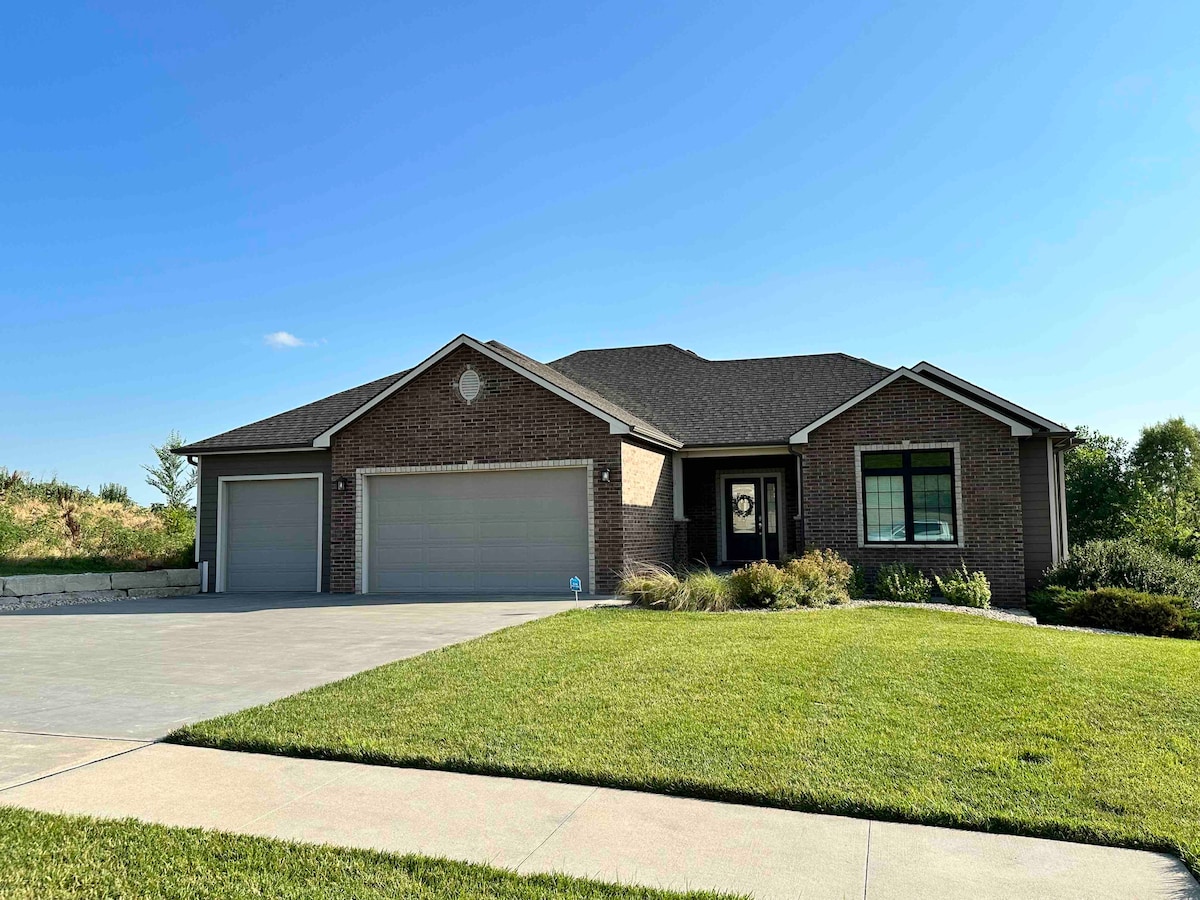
482	470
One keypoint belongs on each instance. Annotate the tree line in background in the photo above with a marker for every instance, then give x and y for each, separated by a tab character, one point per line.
1148	492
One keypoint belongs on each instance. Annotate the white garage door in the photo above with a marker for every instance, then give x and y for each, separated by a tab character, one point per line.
498	531
271	534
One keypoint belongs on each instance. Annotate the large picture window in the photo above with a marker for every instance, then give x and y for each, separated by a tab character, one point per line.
908	497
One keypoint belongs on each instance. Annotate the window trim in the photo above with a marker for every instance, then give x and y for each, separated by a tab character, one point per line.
959	510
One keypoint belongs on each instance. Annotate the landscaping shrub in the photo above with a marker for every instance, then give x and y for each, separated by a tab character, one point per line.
1051	605
1125	563
856	587
964	588
1117	609
657	587
903	583
647	584
761	585
818	578
1121	609
707	591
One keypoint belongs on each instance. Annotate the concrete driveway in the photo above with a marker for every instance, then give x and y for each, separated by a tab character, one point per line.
105	673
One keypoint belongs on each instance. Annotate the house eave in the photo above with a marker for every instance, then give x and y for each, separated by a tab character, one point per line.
693	452
259	448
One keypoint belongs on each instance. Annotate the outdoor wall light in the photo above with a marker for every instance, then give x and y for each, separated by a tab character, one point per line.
340	484
605	475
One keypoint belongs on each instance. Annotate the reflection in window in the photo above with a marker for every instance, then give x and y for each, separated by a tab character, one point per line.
908	496
884	496
772	522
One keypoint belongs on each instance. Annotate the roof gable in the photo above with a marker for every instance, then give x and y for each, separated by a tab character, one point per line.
619	420
929	370
1019	429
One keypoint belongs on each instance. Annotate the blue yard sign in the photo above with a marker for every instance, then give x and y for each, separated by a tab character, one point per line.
576	586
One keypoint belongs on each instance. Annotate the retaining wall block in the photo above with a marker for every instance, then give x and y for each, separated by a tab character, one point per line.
183	577
138	580
25	585
143	593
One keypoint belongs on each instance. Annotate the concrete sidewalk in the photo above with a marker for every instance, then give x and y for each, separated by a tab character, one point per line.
624	836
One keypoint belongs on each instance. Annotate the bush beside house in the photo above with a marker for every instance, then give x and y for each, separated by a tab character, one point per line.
1117	609
1126	563
818	578
1122	585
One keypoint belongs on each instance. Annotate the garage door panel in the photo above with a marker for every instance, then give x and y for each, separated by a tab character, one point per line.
450	532
271	534
497	531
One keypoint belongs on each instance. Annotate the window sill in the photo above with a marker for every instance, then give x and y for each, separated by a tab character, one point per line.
863	545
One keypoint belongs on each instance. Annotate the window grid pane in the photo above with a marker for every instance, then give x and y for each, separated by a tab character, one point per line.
933	508
885	507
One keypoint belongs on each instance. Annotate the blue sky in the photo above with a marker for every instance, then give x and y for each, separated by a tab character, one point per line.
1009	190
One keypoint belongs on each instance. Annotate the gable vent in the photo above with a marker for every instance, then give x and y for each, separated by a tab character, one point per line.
469	384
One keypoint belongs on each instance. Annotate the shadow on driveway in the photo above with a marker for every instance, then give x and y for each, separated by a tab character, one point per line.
242	603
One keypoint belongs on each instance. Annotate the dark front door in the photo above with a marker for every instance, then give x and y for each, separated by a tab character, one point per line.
751	518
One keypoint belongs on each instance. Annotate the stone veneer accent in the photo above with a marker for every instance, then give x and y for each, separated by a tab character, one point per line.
512	420
990	484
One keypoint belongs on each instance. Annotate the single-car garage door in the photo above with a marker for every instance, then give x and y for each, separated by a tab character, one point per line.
498	531
271	535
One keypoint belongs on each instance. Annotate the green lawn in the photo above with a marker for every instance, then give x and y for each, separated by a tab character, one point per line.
903	714
47	856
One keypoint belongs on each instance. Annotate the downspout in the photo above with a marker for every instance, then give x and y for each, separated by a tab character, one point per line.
198	461
1060	471
799	495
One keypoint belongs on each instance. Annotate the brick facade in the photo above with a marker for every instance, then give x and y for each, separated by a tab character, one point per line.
989	457
512	420
648	504
427	423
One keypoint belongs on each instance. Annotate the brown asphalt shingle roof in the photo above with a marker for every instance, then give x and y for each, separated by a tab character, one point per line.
296	427
661	391
713	402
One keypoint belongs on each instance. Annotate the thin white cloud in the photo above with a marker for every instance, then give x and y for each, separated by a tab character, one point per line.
285	340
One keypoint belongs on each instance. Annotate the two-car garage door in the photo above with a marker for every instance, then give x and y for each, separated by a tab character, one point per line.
495	530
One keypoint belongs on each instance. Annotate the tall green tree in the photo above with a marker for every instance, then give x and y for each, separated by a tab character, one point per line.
1166	461
1100	492
172	476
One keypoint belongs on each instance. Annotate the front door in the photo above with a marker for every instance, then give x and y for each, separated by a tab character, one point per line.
751	518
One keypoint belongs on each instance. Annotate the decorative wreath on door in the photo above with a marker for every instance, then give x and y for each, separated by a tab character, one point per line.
743	505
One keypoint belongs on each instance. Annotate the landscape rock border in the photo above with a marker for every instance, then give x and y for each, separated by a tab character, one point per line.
40	591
